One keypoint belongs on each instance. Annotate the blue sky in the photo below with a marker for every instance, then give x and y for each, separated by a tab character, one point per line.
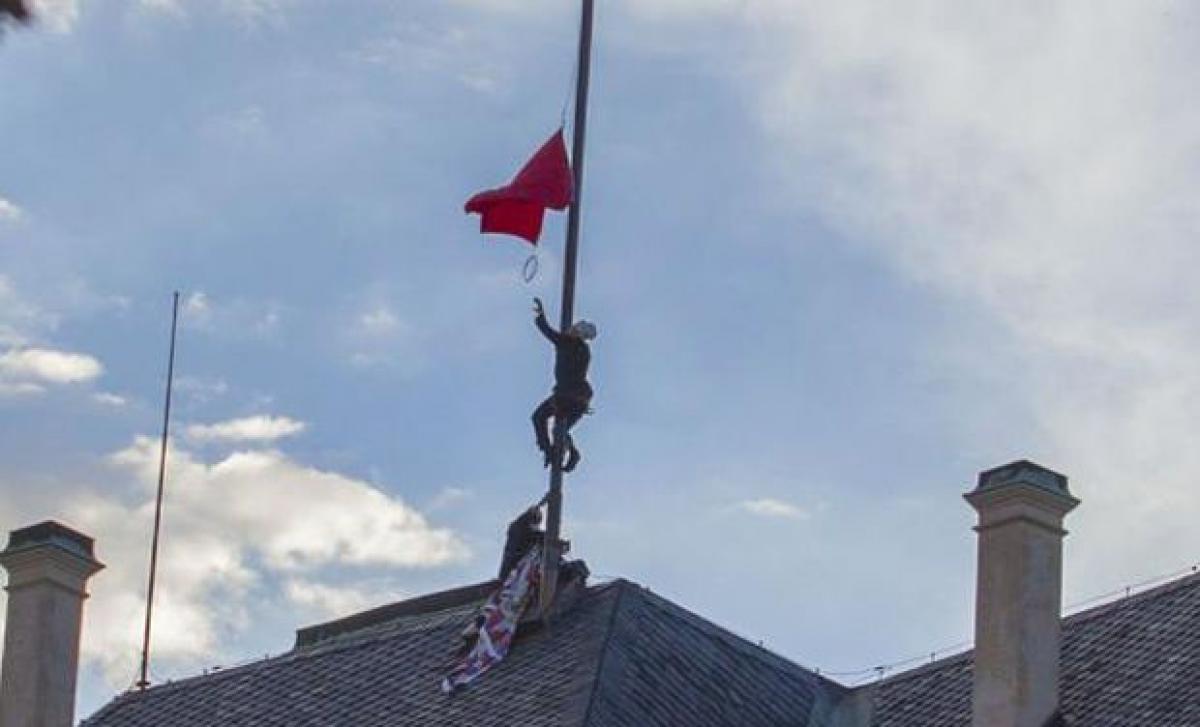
841	259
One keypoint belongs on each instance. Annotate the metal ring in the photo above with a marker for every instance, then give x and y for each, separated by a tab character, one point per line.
530	270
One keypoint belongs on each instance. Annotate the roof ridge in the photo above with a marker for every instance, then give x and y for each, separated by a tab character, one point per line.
622	585
967	654
1186	581
424	605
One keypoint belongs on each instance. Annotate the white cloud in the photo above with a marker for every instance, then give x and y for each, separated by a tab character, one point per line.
109	399
326	601
199	390
253	14
237	318
269	321
249	15
11	336
244	530
677	9
9	212
301	517
449	497
197	307
455	52
379	338
1040	164
519	7
26	369
19	318
247	124
259	428
21	388
379	321
479	80
49	366
58	15
772	508
168	7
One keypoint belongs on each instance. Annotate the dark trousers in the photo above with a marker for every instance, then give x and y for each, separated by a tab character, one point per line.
566	410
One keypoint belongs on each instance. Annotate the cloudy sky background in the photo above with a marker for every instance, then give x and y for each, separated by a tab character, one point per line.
842	258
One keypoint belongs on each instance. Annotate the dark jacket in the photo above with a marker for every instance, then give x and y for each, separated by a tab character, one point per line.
571	359
523	536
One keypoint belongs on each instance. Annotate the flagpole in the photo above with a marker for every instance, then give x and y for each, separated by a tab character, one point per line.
551	551
144	681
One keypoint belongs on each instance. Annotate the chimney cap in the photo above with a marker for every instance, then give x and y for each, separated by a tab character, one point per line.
51	533
1024	472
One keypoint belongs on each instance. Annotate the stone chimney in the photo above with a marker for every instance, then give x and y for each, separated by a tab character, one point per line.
48	566
1018	594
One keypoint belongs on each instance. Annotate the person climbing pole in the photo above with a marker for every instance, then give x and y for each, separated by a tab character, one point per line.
571	395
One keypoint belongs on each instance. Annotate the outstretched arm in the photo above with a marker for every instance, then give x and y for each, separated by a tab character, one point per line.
544	325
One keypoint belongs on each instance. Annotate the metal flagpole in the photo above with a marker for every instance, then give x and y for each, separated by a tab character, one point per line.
550	553
144	681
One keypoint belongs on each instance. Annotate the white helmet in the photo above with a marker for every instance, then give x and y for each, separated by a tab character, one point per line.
583	329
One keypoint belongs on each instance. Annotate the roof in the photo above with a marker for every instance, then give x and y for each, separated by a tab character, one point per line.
621	656
1131	662
625	657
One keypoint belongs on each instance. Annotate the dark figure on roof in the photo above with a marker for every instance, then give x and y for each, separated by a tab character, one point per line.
523	536
572	393
15	9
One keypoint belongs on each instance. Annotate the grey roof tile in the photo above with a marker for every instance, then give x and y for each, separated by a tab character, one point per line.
1129	663
624	657
620	656
667	666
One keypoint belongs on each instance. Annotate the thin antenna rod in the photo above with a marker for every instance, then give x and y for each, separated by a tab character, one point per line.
144	681
550	553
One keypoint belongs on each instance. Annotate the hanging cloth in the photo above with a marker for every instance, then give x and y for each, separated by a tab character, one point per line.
518	207
501	614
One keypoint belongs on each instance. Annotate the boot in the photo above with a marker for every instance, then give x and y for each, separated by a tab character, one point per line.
573	455
573	458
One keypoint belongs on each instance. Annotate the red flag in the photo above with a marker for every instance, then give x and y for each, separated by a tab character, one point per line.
517	208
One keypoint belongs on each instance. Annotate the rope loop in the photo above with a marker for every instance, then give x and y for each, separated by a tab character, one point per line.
530	270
